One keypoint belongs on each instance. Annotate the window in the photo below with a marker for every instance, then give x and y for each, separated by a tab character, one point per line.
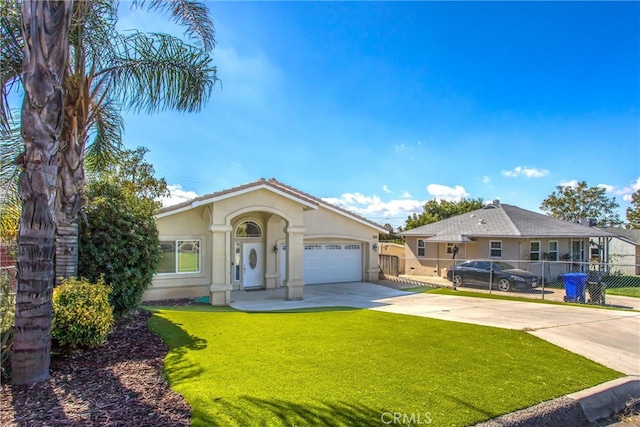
450	247
248	229
352	247
179	256
333	247
495	250
534	251
420	247
553	251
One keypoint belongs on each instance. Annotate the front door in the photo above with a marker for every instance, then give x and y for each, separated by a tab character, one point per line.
252	265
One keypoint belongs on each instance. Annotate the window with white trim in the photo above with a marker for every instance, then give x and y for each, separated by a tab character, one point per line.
450	248
333	247
179	256
552	255
495	248
534	251
420	247
352	246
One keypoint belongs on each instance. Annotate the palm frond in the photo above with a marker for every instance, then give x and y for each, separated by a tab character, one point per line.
106	128
153	72
193	15
11	53
93	29
11	147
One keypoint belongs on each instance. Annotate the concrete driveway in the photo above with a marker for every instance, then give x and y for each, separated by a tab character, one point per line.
609	337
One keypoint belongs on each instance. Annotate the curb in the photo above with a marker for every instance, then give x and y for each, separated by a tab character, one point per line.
576	409
608	398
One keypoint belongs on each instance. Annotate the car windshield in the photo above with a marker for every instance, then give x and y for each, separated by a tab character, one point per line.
499	265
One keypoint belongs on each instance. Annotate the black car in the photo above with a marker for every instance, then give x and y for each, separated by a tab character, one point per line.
504	276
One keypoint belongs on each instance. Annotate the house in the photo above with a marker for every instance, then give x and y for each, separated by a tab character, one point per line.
261	235
502	232
624	250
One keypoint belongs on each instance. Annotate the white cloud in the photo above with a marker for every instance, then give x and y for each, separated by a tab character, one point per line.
625	192
525	171
386	189
573	183
608	188
394	211
177	195
443	192
399	147
485	179
406	195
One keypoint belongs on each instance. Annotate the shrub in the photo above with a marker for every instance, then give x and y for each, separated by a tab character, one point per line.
82	315
119	241
7	318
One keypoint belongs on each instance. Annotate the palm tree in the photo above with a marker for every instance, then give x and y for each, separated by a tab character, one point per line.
45	31
108	72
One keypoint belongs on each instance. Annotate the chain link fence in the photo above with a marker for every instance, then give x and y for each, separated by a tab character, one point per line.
615	285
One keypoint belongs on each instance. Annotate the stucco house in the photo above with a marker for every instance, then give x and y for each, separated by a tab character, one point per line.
261	235
624	250
502	232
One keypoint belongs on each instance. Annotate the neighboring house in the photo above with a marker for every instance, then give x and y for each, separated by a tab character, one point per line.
501	232
261	235
624	250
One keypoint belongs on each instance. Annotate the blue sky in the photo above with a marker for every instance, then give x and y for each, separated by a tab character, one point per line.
379	107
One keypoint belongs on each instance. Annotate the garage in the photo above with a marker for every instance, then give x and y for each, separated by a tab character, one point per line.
329	263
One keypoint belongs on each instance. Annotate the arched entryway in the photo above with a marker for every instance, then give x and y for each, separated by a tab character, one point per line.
248	254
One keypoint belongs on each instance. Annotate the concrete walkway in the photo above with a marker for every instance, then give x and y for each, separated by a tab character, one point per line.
609	337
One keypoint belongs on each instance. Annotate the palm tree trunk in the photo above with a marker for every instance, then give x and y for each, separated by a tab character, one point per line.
71	181
45	26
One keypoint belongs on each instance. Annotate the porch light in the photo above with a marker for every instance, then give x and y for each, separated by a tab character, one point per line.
375	247
275	248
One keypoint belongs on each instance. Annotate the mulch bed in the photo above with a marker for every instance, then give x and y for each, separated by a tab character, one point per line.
118	384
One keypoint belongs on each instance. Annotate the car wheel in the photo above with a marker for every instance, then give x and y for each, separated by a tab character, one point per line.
504	285
457	280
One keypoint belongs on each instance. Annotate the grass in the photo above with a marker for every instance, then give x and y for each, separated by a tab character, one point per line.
352	367
624	291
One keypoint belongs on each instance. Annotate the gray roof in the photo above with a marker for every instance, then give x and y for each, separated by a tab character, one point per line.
630	235
502	220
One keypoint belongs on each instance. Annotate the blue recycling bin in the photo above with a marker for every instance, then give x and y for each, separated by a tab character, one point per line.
574	286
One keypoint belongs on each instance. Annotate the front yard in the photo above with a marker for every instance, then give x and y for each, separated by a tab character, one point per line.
358	367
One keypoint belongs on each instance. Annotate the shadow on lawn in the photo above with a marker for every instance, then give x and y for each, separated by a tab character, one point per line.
254	411
179	341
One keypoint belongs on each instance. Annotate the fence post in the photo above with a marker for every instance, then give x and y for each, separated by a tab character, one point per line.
490	275
542	277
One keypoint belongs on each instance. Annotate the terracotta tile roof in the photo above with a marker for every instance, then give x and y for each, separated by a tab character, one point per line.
502	220
276	185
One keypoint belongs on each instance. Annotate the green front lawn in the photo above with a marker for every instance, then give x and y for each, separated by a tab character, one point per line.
358	367
624	291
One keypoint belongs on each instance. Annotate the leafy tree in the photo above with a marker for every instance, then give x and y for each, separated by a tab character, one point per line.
46	36
633	213
120	240
581	202
437	210
391	236
109	71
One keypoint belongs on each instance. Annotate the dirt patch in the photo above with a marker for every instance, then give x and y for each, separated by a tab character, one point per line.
117	384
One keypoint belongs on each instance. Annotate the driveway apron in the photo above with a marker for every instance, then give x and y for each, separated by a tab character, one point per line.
609	337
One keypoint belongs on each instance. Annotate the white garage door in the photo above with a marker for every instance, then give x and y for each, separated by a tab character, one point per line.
332	263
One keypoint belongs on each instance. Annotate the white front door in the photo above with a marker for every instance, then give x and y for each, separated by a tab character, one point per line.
252	265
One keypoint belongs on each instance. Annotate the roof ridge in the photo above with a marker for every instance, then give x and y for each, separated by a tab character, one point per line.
515	227
320	201
274	183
